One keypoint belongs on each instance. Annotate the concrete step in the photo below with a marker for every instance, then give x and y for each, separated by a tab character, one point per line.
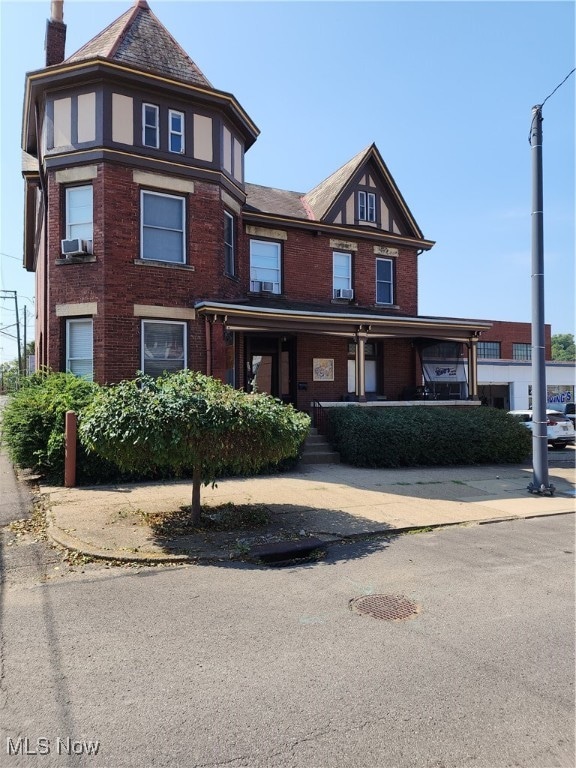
317	450
315	457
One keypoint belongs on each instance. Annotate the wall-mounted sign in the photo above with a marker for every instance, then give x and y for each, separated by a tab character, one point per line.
323	369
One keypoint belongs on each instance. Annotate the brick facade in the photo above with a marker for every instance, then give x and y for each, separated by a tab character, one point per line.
509	333
118	289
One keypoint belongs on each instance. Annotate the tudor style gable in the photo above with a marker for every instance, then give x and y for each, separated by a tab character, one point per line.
362	193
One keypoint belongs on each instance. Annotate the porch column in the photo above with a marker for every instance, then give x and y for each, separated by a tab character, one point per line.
473	369
361	366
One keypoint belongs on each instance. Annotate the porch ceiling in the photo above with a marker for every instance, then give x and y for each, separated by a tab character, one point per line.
243	317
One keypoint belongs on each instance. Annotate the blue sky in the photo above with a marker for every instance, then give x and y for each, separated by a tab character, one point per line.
444	89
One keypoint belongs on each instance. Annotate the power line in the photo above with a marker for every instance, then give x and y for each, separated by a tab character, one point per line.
558	86
539	111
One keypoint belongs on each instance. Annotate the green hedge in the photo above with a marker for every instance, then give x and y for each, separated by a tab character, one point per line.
426	436
33	427
33	433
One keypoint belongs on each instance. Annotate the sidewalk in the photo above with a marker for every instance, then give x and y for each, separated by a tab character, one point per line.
329	502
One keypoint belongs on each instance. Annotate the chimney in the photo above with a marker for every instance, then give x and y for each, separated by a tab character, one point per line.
55	42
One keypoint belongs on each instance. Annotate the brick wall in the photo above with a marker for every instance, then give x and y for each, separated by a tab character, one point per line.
509	333
118	279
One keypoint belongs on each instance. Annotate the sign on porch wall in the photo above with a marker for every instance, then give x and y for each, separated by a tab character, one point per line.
323	369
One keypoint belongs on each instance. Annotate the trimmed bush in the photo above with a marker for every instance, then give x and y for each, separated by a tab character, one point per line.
188	420
33	418
426	436
33	430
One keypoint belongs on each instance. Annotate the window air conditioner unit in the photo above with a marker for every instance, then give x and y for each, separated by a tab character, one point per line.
343	293
255	286
268	287
75	247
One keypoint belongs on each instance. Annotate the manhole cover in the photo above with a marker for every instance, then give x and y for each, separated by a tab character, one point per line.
388	607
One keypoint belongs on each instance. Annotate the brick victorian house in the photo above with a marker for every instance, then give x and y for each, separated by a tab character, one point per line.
152	252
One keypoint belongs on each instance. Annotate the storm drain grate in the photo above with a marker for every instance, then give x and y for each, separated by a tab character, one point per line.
387	607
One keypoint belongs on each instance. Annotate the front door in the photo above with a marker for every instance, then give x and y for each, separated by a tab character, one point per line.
271	365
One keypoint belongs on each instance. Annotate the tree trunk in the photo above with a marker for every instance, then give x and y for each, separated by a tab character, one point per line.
196	485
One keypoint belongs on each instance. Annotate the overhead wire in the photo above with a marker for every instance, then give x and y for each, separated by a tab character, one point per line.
544	102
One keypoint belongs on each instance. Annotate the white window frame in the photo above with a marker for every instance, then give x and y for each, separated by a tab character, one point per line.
155	125
86	227
386	282
260	274
339	280
144	356
229	244
367	206
145	193
71	362
173	133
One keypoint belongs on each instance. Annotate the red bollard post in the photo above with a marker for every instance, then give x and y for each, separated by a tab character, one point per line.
70	449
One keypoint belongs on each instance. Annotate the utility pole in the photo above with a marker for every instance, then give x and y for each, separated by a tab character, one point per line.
24	355
15	296
541	481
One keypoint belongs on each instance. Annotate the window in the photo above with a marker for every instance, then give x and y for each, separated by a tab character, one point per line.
521	351
79	213
370	367
384	281
229	256
150	132
163	225
366	206
163	347
342	275
489	349
175	131
264	266
79	354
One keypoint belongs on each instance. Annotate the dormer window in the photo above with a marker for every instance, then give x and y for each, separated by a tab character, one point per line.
150	126
176	131
366	206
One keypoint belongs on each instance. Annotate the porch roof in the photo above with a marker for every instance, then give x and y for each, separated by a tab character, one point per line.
347	322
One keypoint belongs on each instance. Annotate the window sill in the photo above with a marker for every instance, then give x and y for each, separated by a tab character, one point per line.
234	278
89	258
386	306
164	264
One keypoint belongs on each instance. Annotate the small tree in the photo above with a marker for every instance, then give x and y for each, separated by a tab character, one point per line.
563	347
188	420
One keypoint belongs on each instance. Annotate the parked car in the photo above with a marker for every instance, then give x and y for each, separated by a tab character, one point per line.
559	428
570	412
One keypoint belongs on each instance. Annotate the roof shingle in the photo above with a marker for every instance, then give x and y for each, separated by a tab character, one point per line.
139	39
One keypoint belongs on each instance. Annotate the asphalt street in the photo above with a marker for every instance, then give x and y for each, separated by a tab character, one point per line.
211	665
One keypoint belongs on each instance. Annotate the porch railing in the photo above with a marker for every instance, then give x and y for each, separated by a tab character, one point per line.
319	417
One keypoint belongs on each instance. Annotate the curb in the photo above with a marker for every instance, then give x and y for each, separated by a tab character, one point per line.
63	539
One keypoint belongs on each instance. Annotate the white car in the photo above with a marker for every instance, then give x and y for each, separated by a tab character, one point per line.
559	428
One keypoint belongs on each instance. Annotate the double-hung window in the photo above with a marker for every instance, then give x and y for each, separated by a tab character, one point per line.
163	224
176	131
366	206
79	213
342	275
384	281
163	347
229	245
150	126
264	266
79	348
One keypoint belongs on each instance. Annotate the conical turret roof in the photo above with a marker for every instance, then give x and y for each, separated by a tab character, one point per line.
139	39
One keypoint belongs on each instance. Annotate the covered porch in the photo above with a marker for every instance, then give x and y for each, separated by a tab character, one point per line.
340	354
